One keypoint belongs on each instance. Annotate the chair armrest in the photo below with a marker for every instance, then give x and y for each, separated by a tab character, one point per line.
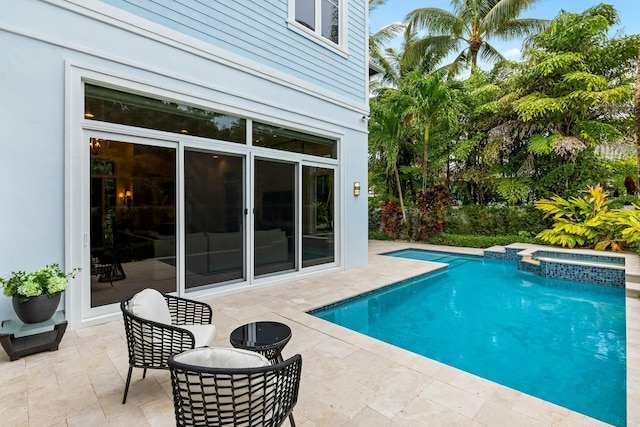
188	312
151	343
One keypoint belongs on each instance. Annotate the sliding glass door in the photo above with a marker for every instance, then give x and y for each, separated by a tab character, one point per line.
214	218
274	231
132	219
318	192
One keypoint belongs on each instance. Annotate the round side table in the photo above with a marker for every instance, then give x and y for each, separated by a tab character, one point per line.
266	338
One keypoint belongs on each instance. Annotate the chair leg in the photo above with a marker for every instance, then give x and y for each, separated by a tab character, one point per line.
293	423
144	374
126	387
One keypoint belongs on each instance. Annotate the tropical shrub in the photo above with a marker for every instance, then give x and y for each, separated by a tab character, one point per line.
431	204
476	241
588	221
495	220
391	217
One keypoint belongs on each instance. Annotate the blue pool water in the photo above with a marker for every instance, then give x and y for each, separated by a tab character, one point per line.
561	341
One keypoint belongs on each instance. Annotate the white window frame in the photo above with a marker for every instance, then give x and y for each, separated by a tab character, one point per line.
316	35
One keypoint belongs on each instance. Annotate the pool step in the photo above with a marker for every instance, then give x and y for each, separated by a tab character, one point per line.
529	260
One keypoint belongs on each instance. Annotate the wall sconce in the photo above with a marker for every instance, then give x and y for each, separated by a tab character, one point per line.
96	145
356	188
125	198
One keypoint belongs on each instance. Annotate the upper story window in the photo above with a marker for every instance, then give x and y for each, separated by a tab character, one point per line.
322	19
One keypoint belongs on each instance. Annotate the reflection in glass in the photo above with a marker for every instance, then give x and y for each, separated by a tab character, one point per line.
305	13
132	219
214	220
290	140
274	218
330	20
114	106
317	216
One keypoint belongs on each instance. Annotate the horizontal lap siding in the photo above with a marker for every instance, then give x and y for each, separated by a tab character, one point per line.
258	30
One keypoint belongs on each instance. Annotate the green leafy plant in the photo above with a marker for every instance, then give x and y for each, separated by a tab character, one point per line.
587	221
49	280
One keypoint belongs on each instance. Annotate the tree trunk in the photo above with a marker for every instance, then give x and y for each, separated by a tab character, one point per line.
636	110
475	42
425	161
404	215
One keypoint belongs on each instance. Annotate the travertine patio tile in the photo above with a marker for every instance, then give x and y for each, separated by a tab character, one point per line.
385	406
425	412
454	398
369	417
94	418
495	415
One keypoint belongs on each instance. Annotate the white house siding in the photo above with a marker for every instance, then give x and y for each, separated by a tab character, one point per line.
47	45
225	23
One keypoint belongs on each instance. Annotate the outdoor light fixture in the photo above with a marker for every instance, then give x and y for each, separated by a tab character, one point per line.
356	188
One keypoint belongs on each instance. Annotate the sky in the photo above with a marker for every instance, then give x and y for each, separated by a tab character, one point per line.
395	11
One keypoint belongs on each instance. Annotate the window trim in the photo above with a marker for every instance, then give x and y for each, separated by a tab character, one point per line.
316	35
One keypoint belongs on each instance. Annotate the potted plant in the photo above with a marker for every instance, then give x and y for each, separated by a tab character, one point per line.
36	295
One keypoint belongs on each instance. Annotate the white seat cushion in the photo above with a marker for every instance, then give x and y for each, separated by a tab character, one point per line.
216	357
203	334
151	305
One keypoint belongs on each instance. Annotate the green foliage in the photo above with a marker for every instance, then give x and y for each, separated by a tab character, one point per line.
536	105
378	235
513	190
477	241
597	132
542	145
49	280
494	220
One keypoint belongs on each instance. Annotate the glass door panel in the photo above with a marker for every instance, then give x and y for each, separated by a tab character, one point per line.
274	217
214	218
132	219
317	216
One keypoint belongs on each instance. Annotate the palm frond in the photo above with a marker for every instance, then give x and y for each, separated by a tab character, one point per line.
384	35
489	53
435	21
432	48
504	11
518	28
373	4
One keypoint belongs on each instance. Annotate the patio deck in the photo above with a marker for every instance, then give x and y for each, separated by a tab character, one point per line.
348	379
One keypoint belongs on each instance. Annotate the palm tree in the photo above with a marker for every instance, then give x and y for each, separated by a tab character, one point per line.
469	27
434	100
385	133
396	63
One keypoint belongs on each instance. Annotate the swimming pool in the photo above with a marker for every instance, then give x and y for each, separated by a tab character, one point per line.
561	341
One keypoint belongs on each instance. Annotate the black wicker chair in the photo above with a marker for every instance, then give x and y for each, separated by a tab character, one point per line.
150	343
240	397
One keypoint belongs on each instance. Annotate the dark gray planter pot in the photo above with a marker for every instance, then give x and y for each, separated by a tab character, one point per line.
37	309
